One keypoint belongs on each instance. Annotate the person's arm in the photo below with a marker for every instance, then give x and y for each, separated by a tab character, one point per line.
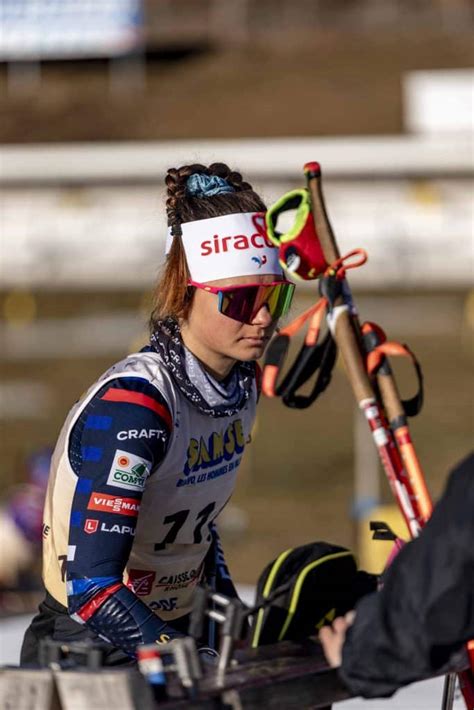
425	611
217	567
112	462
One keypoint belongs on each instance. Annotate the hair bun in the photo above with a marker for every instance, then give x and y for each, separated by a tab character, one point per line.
202	185
188	182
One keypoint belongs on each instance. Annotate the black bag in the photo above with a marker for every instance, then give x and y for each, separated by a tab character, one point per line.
318	582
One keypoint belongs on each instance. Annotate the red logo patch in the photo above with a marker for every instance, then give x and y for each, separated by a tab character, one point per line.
113	504
140	581
91	525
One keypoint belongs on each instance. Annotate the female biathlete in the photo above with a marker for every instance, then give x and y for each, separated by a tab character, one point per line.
148	458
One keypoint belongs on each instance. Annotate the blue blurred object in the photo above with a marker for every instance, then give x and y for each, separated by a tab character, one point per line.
200	185
66	29
37	466
26	501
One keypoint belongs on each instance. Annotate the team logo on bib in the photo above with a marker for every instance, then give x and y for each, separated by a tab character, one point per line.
128	471
141	581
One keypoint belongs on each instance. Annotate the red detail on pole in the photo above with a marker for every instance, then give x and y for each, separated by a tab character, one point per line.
312	169
403	436
391	462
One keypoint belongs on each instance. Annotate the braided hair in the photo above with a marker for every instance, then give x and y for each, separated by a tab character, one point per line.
172	296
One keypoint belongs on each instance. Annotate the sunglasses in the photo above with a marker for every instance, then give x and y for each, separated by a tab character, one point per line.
242	303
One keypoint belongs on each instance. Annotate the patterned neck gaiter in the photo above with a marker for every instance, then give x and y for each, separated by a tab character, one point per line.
210	396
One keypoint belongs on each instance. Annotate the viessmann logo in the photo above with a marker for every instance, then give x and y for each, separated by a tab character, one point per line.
240	242
128	471
113	504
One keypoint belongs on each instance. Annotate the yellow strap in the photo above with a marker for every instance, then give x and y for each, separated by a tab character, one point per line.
266	592
299	584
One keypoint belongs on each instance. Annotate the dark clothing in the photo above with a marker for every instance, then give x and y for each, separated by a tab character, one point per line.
425	612
53	622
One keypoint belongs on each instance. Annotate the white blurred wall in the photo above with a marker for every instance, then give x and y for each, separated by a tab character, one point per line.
93	216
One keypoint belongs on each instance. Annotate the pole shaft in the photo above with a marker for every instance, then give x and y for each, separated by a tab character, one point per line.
394	445
346	328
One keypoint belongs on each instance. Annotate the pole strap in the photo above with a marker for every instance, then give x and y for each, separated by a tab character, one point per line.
375	359
313	356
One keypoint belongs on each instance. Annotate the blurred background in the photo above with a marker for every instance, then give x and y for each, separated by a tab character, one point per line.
99	99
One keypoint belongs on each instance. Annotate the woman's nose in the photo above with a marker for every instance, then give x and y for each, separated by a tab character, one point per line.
262	317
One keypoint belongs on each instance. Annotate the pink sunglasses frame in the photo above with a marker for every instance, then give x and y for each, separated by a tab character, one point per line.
216	289
219	290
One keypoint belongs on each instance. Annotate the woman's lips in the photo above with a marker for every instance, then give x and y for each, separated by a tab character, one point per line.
256	340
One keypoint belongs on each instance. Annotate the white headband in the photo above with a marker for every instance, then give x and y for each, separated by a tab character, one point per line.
231	245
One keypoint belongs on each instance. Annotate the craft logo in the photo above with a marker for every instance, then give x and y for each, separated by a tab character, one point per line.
91	525
141	581
113	504
128	471
140	434
219	447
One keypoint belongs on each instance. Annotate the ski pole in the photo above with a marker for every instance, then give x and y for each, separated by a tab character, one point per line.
345	329
394	444
396	411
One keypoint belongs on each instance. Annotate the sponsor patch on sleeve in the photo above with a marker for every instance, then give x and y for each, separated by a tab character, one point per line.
128	471
113	504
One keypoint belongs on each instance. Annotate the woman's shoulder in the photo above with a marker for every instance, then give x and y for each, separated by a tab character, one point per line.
144	364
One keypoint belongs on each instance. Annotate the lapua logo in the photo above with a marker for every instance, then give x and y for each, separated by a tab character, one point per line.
91	525
120	529
222	244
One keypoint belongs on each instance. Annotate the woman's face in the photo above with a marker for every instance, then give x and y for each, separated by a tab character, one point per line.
214	337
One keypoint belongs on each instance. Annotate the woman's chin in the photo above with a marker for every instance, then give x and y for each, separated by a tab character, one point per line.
252	351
